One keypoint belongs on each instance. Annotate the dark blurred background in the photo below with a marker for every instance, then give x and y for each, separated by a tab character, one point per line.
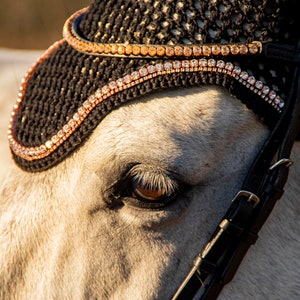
34	24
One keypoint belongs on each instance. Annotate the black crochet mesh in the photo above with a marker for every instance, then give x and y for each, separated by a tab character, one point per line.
64	81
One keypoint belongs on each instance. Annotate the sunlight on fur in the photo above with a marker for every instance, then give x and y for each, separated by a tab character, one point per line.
65	234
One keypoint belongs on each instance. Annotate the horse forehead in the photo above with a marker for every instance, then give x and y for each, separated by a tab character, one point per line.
161	114
171	129
164	121
177	109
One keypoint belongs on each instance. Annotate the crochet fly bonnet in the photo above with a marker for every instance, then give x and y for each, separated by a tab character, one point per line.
116	51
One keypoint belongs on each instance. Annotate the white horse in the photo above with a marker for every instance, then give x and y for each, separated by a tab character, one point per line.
59	239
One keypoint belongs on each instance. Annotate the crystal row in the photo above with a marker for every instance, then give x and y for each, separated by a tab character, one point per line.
130	80
70	33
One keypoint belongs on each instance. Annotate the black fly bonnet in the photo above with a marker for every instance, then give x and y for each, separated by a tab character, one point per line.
117	51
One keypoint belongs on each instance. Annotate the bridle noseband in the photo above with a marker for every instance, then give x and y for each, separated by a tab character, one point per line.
216	265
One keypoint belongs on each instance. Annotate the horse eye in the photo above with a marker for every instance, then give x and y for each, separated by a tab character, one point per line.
148	193
150	188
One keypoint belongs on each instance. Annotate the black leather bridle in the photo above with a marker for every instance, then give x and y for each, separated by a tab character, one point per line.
216	265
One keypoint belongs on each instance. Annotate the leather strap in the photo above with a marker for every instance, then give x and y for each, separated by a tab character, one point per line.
217	263
281	52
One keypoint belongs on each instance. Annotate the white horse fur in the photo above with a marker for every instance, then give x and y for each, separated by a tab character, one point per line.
59	239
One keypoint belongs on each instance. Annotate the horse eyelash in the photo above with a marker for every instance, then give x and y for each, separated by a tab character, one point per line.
155	181
154	178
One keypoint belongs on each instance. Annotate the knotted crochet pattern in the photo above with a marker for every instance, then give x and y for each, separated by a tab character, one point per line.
68	92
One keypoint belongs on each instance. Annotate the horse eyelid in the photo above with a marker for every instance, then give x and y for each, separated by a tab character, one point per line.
155	179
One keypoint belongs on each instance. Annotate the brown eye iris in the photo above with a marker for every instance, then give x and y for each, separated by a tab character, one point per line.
148	193
150	187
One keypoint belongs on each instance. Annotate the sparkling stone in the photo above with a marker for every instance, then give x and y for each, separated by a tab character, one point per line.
60	134
220	64
135	75
211	62
86	104
243	49
143	72
120	82
251	80
105	89
197	50
144	50
272	95
99	48
187	51
215	49
225	50
178	50
266	90
151	69
159	67
167	66
112	85
177	64
43	149
234	49
206	50
66	128
253	48
128	49
120	50
127	79
48	144
80	111
237	70
194	63
259	84
98	94
152	51
92	98
279	102
136	50
55	139
160	50
185	64
71	123
202	62
169	51
229	66
107	48
114	49
244	75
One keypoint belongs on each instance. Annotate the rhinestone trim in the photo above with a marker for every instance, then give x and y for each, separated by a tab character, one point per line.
145	73
73	38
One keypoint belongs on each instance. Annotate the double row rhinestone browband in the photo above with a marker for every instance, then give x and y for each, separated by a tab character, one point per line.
185	59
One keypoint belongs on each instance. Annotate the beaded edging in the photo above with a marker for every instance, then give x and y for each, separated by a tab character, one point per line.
73	38
143	74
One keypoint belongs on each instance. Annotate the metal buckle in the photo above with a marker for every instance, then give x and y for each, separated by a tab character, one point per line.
284	161
251	197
